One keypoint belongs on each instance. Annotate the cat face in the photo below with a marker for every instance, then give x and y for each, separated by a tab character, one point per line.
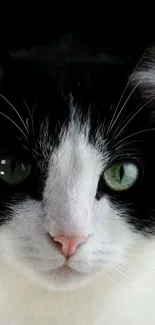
74	171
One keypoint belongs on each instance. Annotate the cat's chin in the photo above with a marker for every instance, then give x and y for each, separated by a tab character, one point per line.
64	279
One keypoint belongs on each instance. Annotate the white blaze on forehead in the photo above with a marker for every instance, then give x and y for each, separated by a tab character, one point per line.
72	181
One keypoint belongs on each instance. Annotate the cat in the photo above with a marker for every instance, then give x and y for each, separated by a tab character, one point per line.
77	220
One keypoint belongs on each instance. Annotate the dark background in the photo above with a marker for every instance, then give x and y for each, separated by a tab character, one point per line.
123	32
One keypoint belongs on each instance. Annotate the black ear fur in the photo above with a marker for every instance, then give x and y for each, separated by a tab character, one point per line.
144	74
143	82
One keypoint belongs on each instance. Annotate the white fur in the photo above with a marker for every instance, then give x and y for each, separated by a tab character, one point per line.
87	295
104	301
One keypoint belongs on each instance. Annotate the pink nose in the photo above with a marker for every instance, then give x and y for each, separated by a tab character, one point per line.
69	244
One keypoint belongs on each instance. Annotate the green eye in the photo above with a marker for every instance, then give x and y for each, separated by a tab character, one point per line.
121	176
13	171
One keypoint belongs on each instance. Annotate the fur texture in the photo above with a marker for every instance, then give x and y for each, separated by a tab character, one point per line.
67	125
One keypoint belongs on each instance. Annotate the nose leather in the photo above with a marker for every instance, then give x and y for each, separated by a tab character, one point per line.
69	244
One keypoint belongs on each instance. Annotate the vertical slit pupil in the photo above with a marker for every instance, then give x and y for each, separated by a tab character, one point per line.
121	172
13	165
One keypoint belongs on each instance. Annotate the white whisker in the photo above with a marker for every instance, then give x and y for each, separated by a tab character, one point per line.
7	250
127	145
132	117
126	269
128	261
110	277
26	105
127	99
133	247
7	101
133	134
34	106
131	254
112	123
19	92
120	271
14	124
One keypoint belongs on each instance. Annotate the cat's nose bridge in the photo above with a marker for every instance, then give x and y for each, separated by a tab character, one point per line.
69	220
69	210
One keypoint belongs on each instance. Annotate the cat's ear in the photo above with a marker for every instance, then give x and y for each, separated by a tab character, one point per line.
143	76
143	81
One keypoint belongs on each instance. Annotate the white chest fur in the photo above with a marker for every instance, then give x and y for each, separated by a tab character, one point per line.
128	301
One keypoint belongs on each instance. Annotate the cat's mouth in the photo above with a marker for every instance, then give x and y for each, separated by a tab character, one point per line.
64	269
67	270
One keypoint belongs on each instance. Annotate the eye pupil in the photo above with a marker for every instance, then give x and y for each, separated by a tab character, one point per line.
13	165
121	172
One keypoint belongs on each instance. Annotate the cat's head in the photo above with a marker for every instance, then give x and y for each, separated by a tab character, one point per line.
76	172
